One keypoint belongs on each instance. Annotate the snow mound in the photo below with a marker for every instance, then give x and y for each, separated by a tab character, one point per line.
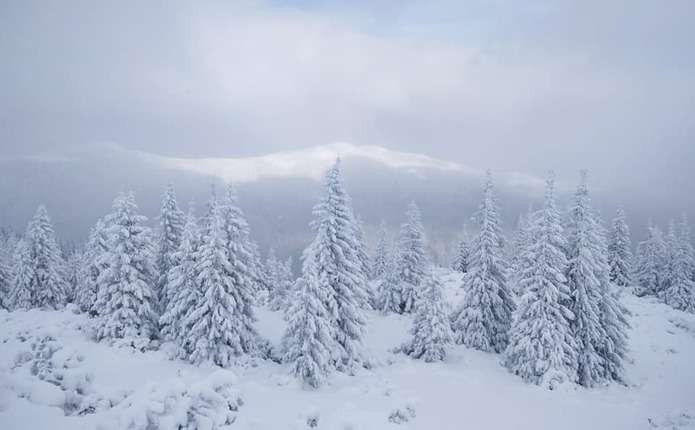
212	403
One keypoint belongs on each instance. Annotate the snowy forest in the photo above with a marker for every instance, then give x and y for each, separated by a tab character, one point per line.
547	302
347	215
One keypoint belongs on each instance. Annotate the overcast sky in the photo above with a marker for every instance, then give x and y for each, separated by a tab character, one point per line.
517	86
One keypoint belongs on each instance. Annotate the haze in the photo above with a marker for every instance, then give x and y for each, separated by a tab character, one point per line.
101	96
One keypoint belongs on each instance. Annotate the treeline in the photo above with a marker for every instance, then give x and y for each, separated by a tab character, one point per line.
549	303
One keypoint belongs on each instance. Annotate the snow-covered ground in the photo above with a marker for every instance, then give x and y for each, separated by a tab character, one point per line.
53	376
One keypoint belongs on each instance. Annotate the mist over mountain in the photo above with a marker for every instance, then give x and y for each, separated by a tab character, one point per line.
80	188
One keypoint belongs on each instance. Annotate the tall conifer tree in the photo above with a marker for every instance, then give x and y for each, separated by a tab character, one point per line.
339	270
542	349
412	258
171	221
619	251
483	319
126	297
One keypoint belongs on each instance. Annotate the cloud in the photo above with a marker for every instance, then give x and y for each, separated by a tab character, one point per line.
312	162
308	163
516	87
38	158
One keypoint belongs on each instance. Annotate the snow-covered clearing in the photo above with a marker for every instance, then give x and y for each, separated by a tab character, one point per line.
53	376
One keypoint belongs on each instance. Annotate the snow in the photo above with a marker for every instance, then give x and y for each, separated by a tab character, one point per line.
470	389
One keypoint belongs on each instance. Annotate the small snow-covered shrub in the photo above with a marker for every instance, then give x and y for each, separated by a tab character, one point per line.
209	404
431	332
134	342
676	421
402	414
63	382
73	309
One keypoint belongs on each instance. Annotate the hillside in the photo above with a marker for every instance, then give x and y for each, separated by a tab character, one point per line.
53	376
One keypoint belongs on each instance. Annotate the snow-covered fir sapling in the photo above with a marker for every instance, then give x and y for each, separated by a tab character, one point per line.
279	275
651	262
483	318
412	258
22	294
8	245
5	280
686	243
542	349
221	319
286	282
679	287
171	221
614	346
50	267
518	260
431	331
126	299
182	283
93	264
380	260
619	251
240	247
389	291
39	280
462	254
362	247
309	344
271	270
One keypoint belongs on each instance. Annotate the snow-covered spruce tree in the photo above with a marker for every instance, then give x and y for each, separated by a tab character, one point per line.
5	278
22	293
619	251
679	287
93	263
518	260
671	242
362	247
49	265
365	261
431	331
381	257
221	319
388	298
182	288
47	286
651	263
261	284
614	346
309	344
125	300
281	278
171	221
685	242
8	257
483	318
241	251
339	269
286	282
272	274
412	258
209	213
73	268
462	255
541	346
520	240
583	275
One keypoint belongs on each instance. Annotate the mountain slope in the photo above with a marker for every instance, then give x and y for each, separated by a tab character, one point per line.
115	387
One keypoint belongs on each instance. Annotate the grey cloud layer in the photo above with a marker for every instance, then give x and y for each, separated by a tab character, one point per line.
519	86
